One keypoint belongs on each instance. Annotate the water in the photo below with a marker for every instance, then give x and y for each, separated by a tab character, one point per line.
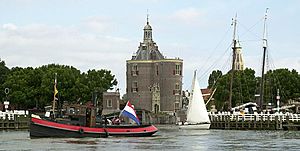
168	138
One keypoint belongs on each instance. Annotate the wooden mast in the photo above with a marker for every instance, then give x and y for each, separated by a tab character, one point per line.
234	23
262	81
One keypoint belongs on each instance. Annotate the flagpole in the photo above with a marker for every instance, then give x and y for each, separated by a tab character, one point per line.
123	110
54	98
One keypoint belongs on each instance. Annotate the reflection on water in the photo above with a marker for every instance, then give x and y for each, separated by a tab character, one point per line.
168	138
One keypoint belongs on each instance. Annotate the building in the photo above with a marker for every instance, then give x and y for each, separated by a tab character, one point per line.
111	102
153	82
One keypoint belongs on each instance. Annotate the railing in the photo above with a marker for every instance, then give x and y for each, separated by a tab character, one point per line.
10	115
255	117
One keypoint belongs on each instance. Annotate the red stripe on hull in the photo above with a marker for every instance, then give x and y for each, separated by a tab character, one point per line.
110	130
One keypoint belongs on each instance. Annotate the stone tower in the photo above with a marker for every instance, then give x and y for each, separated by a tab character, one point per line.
239	61
153	82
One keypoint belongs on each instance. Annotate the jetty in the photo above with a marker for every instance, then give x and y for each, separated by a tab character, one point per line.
277	121
14	120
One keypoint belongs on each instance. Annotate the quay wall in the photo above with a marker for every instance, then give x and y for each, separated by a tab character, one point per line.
255	121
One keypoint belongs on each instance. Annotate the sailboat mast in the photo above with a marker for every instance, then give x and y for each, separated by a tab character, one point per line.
234	23
262	81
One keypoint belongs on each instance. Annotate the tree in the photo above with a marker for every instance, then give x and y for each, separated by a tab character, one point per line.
99	81
35	87
243	89
213	78
287	82
3	74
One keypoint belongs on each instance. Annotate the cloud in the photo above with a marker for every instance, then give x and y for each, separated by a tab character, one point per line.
39	44
188	16
9	26
98	24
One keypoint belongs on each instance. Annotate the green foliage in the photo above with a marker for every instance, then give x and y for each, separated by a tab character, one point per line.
214	77
35	87
246	85
286	81
243	88
3	74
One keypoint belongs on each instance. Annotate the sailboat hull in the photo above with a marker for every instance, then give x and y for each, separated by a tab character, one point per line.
202	126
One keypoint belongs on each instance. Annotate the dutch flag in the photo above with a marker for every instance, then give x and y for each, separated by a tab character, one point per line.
129	112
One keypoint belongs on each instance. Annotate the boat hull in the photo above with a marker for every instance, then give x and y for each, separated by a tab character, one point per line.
43	128
202	126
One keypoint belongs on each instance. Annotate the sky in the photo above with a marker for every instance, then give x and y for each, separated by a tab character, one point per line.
102	34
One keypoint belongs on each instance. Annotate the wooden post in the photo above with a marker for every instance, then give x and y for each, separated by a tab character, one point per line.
261	121
243	123
225	121
287	119
268	121
254	122
280	122
236	122
276	122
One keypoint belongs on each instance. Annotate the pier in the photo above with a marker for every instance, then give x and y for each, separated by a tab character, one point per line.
278	121
20	122
14	119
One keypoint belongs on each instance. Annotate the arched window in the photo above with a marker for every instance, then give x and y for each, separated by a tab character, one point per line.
156	108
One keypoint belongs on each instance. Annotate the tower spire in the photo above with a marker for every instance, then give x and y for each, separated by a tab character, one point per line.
147	17
147	31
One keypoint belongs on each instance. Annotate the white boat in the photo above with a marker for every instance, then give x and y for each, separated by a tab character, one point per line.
197	115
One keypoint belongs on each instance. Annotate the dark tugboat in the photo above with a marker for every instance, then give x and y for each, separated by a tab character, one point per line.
85	125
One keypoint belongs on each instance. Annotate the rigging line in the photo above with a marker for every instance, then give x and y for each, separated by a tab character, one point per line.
212	54
279	85
268	62
271	58
249	29
241	90
250	40
247	87
228	60
214	63
224	65
277	81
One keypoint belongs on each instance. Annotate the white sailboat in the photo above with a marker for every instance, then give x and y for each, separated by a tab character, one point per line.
197	116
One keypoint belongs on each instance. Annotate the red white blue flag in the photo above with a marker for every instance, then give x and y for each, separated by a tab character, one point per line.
130	112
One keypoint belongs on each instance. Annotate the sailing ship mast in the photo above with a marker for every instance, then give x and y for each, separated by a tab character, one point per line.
234	23
263	63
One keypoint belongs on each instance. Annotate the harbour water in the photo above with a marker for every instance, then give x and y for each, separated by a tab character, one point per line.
168	138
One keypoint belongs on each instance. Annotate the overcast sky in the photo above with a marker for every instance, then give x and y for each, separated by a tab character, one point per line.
103	34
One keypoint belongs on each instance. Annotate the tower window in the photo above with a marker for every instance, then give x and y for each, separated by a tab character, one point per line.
176	91
134	70
134	86
176	105
177	70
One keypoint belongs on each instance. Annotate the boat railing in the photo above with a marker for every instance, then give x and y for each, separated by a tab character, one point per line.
254	117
